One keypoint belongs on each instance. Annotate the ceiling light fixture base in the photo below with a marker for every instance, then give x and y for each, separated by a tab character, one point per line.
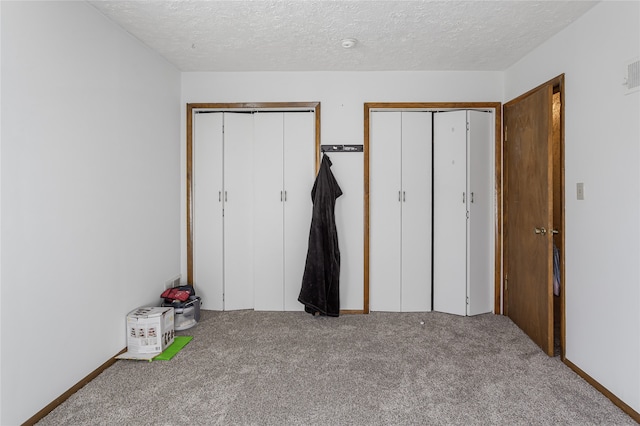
348	43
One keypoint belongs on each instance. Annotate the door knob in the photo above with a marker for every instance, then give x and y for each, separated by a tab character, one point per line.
541	231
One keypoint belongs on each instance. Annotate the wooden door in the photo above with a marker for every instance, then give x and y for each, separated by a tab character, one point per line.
416	212
528	213
450	212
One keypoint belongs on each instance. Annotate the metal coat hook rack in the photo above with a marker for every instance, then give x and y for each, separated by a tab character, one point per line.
341	148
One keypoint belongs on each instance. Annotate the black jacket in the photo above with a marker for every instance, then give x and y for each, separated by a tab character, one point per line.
320	291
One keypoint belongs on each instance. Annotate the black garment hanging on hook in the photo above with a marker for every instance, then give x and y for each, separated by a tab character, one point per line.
320	293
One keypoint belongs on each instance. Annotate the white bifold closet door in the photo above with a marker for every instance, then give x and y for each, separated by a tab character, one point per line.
400	211
481	213
284	149
463	211
207	184
223	209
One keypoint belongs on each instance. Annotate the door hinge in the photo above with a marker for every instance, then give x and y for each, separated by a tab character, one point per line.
467	300
467	125
506	282
505	133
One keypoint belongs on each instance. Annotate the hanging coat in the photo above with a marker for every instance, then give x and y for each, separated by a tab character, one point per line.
320	293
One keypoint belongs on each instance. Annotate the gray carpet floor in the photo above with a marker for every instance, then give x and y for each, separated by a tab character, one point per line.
289	368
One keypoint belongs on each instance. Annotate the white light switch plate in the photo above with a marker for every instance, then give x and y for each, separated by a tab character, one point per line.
580	191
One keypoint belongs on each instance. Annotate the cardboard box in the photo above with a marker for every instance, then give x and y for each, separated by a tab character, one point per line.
150	330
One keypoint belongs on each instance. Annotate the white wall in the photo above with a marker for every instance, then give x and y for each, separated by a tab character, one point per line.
0	216
342	96
90	190
602	150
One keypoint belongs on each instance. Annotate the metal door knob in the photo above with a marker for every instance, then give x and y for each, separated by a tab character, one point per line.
541	231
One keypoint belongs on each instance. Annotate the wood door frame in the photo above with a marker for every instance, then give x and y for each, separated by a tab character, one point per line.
434	106
230	107
558	87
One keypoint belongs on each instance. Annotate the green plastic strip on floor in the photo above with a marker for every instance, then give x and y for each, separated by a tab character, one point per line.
179	342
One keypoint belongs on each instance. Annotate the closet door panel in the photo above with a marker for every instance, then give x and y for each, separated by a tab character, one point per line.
299	175
238	214
450	212
416	211
384	211
268	222
481	202
207	208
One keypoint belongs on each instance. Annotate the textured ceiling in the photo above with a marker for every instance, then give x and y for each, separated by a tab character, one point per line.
298	35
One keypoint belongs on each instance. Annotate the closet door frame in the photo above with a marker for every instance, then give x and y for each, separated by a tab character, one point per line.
191	108
496	108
